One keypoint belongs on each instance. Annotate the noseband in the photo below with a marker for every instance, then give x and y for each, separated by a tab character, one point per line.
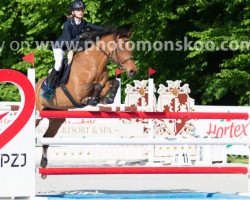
119	63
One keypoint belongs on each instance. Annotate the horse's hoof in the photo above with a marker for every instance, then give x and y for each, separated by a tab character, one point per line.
93	102
43	176
44	162
108	100
85	101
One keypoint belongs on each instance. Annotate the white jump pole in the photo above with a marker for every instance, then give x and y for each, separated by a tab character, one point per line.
118	96
135	141
150	121
32	76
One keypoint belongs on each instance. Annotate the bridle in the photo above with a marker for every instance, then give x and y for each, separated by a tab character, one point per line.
115	52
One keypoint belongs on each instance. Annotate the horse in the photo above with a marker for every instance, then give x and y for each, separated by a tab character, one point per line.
88	82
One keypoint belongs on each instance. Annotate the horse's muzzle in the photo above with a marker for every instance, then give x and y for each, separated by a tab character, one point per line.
132	73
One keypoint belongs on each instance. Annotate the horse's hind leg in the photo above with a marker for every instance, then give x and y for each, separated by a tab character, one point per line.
38	121
109	91
54	125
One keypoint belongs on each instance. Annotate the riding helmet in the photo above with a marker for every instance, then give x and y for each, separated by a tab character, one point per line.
77	4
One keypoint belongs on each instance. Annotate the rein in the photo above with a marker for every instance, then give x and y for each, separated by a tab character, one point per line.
110	56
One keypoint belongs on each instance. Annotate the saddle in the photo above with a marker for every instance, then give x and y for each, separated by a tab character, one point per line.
48	93
63	75
65	69
66	64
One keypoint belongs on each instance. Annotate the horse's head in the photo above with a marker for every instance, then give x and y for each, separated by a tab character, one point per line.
118	48
122	53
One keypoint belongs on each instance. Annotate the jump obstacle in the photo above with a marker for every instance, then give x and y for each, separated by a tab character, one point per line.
10	76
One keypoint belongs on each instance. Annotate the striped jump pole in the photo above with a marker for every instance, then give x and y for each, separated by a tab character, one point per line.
143	115
9	107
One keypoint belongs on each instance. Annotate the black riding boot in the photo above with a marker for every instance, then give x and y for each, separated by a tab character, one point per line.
52	79
49	85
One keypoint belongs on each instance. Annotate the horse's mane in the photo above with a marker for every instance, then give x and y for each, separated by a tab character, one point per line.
110	30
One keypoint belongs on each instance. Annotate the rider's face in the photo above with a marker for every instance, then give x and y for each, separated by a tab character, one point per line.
78	13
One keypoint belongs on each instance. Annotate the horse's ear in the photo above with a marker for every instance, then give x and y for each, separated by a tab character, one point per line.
124	33
129	34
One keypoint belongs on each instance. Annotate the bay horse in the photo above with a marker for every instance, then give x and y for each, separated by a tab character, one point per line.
88	81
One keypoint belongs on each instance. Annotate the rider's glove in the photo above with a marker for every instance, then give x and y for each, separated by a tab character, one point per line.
85	35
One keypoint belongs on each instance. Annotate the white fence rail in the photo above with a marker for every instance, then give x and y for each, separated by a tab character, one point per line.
143	141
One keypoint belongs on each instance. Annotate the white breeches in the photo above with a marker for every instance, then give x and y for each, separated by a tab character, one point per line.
58	56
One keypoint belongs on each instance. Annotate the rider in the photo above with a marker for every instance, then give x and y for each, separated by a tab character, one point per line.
74	30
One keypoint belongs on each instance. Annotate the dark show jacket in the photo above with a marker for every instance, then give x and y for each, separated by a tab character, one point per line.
71	33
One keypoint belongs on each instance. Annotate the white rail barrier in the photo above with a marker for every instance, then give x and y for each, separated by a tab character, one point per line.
144	141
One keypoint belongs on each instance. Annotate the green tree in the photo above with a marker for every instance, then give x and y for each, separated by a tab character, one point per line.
215	76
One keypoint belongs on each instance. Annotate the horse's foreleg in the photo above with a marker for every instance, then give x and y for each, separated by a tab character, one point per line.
94	100
109	91
54	125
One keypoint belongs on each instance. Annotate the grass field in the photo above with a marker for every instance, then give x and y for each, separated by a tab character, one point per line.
237	159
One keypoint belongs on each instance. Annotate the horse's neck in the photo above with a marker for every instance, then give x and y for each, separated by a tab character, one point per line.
96	57
91	58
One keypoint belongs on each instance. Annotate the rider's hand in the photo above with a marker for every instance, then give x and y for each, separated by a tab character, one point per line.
85	35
